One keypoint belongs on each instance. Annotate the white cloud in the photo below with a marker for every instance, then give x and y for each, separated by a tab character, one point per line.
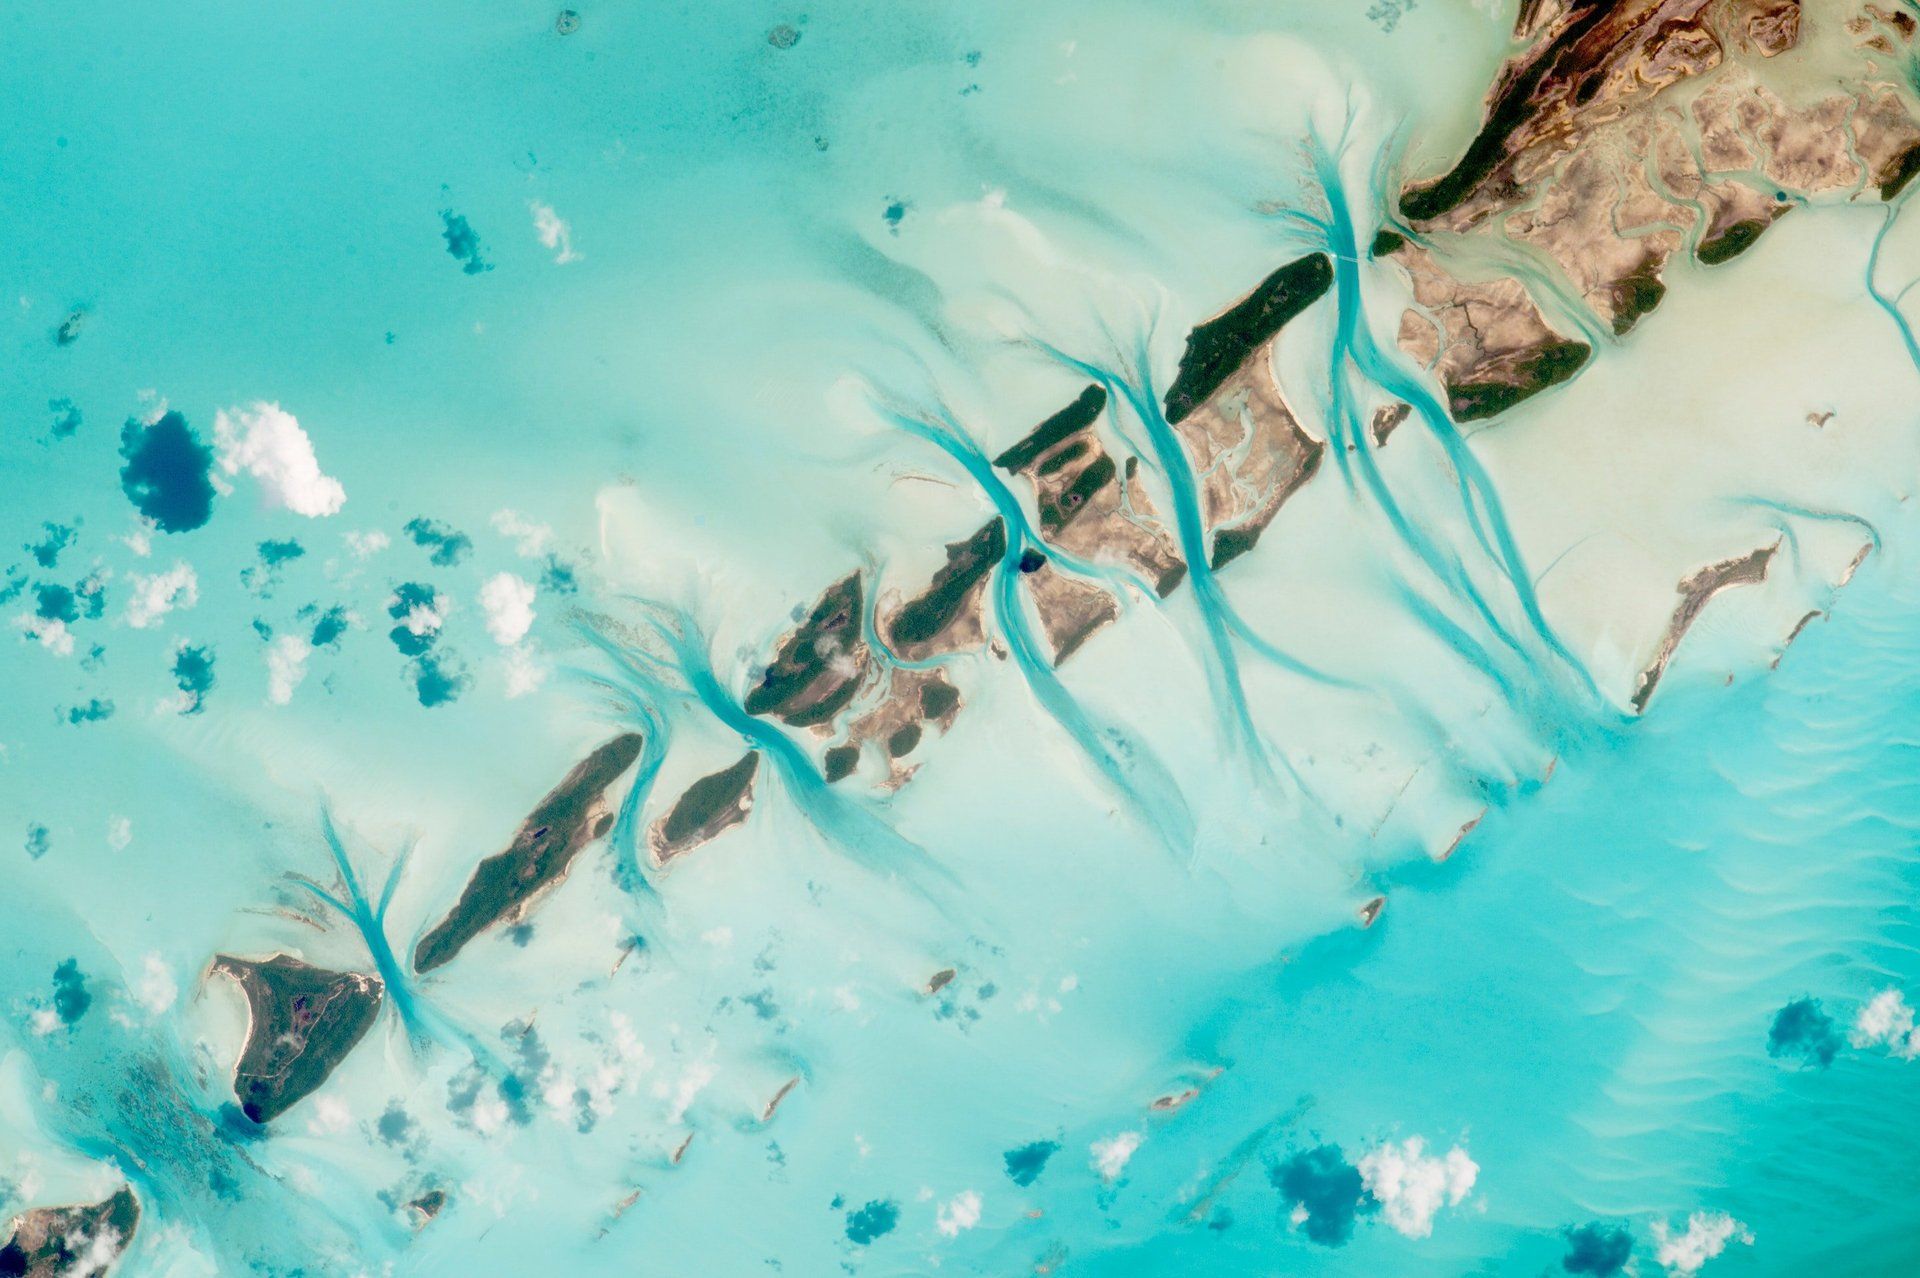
1110	1156
525	671
286	667
1887	1021
960	1212
529	539
140	540
330	1117
156	988
157	594
1708	1233
553	232
266	441
1412	1185
365	545
423	619
508	601
119	833
50	631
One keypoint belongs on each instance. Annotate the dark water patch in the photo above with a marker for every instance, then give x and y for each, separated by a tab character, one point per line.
1025	1164
70	997
14	585
54	602
439	678
92	593
275	553
94	710
463	244
968	563
542	851
395	1126
1031	560
304	1021
54	538
1803	1032
894	214
193	675
39	840
329	626
67	418
448	546
558	577
168	473
1327	1192
1599	1250
873	1221
69	329
1217	348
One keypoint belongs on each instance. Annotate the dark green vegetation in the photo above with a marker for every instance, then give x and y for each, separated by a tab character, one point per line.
1080	415
968	563
1515	100
1552	364
937	700
903	740
168	473
305	1021
840	762
710	805
1217	348
52	1242
540	855
1386	244
1731	243
1057	510
1637	294
799	685
1231	543
1900	171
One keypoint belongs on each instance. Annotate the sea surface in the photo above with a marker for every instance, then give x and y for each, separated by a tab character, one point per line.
648	316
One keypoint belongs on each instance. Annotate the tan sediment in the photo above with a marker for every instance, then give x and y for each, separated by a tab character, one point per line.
1695	591
1070	608
1387	419
1460	836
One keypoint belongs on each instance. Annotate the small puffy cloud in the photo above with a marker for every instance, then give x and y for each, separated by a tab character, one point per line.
958	1213
365	545
1411	1185
286	667
1803	1032
156	988
267	442
1887	1021
1111	1156
554	232
525	671
1597	1250
51	632
508	601
529	539
119	833
193	675
1707	1235
157	594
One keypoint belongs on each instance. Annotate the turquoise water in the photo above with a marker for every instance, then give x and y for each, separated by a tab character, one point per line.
807	292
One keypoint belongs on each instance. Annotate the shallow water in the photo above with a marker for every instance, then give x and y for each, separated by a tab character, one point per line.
808	286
